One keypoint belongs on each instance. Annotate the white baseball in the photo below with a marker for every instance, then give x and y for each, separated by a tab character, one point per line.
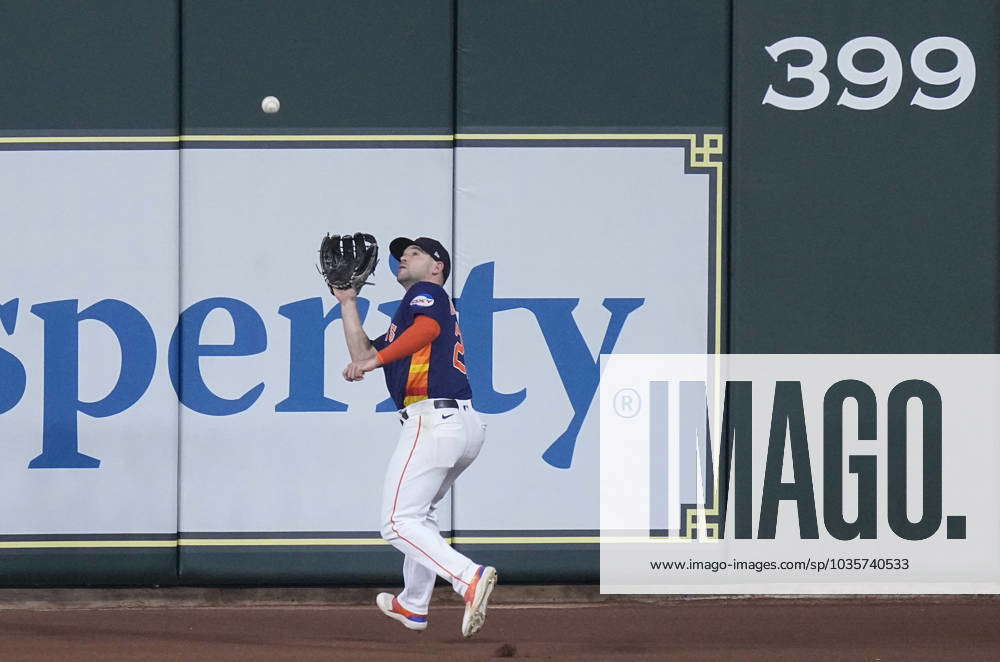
270	105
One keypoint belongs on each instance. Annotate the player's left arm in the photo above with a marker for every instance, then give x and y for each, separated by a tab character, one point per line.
422	332
429	307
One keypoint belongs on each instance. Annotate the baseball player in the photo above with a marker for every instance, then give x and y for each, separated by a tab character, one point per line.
422	357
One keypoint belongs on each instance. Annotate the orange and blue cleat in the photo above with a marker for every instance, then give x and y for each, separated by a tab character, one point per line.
390	606
476	597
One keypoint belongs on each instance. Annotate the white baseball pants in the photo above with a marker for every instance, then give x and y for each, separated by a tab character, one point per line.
435	447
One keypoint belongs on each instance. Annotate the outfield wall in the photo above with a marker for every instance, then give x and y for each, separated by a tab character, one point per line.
169	362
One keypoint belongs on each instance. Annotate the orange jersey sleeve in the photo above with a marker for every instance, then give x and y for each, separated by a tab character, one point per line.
421	333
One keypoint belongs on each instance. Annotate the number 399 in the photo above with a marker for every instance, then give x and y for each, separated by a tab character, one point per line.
891	72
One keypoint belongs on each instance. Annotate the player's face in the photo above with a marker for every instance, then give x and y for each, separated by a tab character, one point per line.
415	266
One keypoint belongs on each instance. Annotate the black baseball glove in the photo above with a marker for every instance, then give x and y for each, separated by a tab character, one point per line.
347	261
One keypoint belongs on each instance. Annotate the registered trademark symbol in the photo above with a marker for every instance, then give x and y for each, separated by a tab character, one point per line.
627	402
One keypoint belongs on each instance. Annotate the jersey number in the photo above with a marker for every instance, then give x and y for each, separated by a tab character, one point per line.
459	351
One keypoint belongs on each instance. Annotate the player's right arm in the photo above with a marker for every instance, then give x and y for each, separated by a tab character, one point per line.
359	345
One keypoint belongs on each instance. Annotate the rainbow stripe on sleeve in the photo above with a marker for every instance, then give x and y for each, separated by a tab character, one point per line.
416	381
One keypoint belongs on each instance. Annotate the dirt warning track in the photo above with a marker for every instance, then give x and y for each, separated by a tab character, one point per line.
959	628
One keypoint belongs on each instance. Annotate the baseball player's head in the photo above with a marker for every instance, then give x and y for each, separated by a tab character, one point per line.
420	259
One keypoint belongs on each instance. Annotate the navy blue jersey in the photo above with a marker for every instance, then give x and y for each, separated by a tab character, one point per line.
436	370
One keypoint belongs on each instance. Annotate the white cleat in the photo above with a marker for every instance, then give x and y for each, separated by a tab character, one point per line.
390	606
476	597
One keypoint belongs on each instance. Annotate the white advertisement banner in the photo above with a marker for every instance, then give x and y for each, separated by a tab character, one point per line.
273	438
566	253
218	407
88	298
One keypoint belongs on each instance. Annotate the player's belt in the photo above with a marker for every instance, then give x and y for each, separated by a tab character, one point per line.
439	403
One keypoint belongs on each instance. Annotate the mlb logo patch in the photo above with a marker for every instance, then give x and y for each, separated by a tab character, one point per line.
422	300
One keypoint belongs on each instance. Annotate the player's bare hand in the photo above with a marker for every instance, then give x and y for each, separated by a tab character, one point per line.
343	296
355	370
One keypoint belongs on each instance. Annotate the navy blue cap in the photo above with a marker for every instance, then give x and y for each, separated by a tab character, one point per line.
430	246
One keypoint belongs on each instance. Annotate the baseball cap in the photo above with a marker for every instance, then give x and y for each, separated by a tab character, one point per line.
430	246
